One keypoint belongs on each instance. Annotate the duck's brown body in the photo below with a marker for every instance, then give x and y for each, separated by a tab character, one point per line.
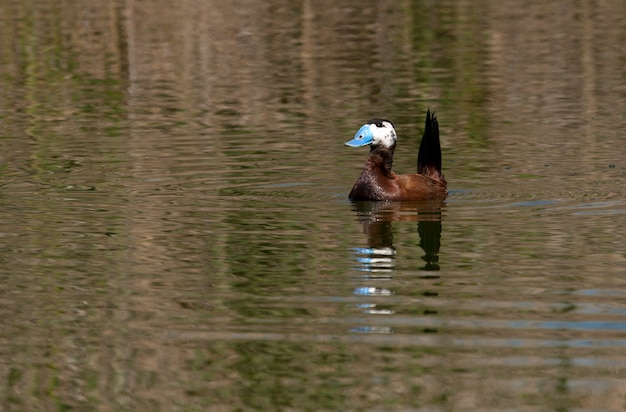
378	182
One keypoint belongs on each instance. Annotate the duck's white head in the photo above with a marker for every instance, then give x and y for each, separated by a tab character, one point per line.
376	132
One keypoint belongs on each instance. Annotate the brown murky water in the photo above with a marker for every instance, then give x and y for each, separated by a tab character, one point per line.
175	233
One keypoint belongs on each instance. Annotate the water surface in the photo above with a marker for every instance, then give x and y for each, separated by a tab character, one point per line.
175	232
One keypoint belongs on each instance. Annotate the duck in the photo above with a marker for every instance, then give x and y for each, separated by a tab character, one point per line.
378	182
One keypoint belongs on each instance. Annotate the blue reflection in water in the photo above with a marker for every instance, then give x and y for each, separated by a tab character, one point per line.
372	291
376	259
372	329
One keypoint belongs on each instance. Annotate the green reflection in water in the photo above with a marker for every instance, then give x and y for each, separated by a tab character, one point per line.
280	374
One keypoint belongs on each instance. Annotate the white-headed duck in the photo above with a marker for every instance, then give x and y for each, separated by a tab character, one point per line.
378	182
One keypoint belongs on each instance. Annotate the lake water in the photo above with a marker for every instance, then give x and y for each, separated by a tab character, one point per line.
175	232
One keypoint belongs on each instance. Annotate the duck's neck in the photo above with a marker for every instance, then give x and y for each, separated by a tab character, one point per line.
381	158
377	172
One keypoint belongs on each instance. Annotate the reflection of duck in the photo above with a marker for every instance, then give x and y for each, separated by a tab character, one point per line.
378	182
377	218
378	260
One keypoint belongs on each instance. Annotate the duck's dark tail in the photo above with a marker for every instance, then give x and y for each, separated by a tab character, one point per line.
429	156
